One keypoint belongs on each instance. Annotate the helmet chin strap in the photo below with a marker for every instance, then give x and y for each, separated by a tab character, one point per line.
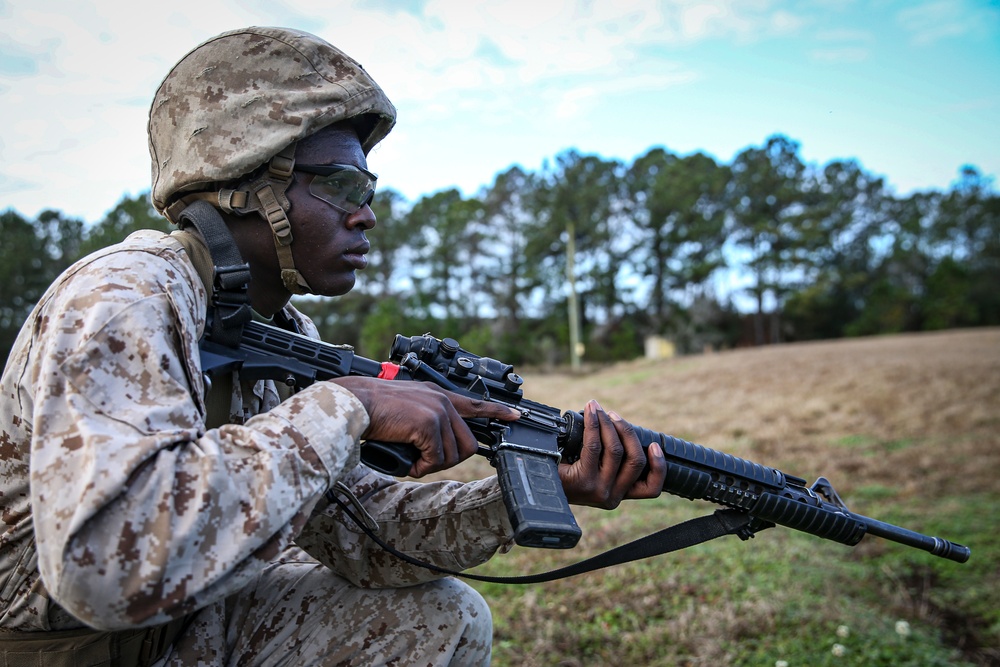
265	196
273	207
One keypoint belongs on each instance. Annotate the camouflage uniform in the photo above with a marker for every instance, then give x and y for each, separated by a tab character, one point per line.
122	510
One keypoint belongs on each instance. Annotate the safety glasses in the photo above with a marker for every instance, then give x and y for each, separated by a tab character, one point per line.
343	186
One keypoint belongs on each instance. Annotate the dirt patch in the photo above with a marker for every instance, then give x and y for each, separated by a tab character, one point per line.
959	630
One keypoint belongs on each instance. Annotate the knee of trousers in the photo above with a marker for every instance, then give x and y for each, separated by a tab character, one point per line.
470	611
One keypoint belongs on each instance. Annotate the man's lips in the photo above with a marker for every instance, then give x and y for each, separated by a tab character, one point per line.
356	256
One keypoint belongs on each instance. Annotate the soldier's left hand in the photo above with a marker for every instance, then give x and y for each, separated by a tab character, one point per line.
612	465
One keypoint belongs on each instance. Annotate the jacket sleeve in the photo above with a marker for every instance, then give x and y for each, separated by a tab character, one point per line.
140	514
452	525
449	524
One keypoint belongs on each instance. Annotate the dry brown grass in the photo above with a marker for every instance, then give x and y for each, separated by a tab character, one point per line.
864	411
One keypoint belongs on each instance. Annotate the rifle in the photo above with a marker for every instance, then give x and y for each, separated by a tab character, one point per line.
526	452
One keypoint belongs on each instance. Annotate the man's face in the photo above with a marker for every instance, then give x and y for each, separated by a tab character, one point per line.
329	244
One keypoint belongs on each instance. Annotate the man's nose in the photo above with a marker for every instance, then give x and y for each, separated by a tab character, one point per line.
364	218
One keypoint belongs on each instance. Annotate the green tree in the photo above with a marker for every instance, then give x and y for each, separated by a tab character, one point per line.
843	231
892	300
966	234
448	238
511	275
946	302
32	255
24	274
129	215
768	199
577	244
677	206
391	240
64	239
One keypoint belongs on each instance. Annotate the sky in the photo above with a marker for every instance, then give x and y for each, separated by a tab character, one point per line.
909	88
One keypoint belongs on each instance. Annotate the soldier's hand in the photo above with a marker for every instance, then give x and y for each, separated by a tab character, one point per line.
423	415
612	463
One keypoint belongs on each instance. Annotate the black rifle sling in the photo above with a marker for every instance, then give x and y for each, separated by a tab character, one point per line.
230	307
681	536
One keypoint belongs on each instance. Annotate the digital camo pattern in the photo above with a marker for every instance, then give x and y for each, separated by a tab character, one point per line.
148	516
238	99
428	521
300	613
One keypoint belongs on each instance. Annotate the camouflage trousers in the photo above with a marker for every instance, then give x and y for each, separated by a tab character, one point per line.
298	612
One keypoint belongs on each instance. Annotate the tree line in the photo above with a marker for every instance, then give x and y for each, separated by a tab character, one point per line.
764	249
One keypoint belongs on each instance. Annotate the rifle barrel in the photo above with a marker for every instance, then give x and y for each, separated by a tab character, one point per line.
935	545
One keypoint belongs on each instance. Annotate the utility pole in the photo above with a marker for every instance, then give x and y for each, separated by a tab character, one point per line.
575	346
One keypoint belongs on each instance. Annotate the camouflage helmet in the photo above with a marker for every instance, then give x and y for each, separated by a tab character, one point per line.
240	98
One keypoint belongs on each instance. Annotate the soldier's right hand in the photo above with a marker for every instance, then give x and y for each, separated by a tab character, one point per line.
425	416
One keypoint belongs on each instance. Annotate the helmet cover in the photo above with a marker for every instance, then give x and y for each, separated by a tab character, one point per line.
237	100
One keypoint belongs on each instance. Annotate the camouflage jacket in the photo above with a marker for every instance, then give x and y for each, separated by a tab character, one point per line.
122	509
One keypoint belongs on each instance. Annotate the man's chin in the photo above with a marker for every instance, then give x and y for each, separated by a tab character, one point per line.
338	287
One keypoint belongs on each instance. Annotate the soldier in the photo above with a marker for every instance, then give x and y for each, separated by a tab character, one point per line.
141	529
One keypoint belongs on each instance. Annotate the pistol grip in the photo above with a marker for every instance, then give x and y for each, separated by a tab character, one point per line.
535	500
391	458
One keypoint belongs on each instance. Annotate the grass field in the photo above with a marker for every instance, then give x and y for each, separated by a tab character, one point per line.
907	428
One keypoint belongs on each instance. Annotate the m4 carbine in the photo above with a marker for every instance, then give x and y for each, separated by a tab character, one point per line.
526	452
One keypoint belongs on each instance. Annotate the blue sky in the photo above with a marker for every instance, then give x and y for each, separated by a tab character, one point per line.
911	89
